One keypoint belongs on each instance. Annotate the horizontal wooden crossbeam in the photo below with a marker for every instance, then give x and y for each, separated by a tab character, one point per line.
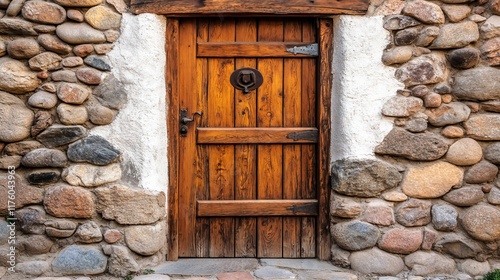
255	208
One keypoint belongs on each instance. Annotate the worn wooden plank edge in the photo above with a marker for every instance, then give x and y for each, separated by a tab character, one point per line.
256	208
252	49
257	135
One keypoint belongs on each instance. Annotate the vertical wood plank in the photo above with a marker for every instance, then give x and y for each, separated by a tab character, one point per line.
172	50
270	173
221	157
187	162
246	155
292	177
324	107
308	242
202	182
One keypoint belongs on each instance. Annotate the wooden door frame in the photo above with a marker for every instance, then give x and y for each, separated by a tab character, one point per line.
324	86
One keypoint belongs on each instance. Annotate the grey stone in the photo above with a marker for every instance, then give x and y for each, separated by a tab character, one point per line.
54	44
491	27
88	232
397	55
414	212
93	149
58	135
34	268
422	146
60	228
76	259
206	267
64	76
110	93
376	261
152	277
88	175
23	48
429	263
475	268
483	127
35	244
427	35
16	77
15	117
456	35
43	100
324	275
364	178
43	119
416	125
458	246
344	207
492	153
146	240
99	114
25	194
424	11
121	262
477	84
43	12
14	7
444	217
464	58
450	113
355	235
31	220
340	256
300	264
4	232
44	158
481	172
130	206
401	106
406	36
494	196
15	26
98	62
273	273
425	69
79	33
482	222
398	22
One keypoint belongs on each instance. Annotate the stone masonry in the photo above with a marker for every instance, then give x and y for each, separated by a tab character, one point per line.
74	215
428	205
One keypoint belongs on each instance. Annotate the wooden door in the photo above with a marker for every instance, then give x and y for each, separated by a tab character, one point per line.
249	178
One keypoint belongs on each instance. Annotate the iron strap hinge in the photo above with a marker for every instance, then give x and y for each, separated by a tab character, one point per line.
311	49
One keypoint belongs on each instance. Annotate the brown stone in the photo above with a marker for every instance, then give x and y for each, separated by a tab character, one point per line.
103	48
89	75
495	6
483	127
15	118
414	212
466	196
79	33
458	246
378	213
447	98
432	100
43	120
146	240
42	28
456	13
425	69
491	27
75	15
456	35
15	26
452	113
99	114
45	61
16	77
401	106
43	100
394	196
25	194
422	146
478	83
424	11
420	91
35	244
88	175
481	172
83	50
73	93
22	148
112	236
64	76
344	207
482	222
52	43
72	61
119	5
111	35
78	3
429	263
427	35
491	106
69	202
70	114
401	241
7	162
103	18
59	233
465	151
130	206
429	238
406	36
431	181
44	12
23	48
43	75
490	51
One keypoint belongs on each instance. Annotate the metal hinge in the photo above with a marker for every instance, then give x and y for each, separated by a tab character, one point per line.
311	49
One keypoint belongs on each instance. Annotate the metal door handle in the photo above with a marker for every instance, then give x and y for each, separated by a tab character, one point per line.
185	120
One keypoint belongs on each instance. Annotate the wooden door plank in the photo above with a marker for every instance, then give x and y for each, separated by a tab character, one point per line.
250	7
292	181
255	208
261	135
201	176
256	49
324	108
245	154
221	157
187	86
270	161
309	167
172	50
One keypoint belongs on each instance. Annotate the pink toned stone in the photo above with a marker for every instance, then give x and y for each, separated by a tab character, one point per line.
112	236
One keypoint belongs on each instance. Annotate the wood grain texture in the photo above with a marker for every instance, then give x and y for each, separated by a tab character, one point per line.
260	135
172	76
248	49
250	7
256	208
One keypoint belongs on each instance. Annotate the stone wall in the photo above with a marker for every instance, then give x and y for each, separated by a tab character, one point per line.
428	204
73	208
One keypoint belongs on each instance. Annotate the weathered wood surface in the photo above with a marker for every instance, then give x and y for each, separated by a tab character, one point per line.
251	49
250	7
256	208
269	135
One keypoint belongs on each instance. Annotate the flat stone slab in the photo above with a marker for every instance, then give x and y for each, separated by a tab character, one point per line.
303	264
274	273
205	267
326	275
152	277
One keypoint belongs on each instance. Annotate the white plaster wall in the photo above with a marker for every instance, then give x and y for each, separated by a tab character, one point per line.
361	85
139	130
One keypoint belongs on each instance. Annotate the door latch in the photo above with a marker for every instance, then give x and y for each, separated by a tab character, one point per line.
185	120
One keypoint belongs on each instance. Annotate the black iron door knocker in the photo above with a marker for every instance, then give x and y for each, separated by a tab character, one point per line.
246	79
